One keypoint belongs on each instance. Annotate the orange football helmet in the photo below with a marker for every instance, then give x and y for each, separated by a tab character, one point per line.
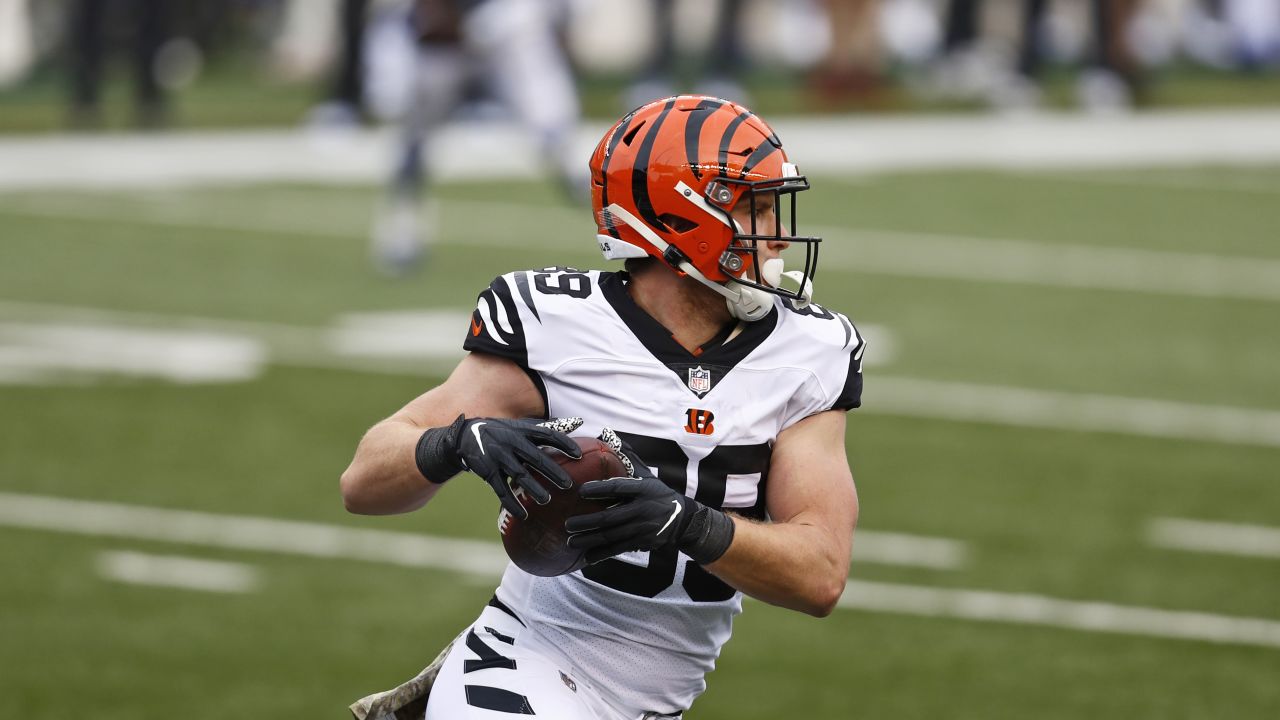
664	180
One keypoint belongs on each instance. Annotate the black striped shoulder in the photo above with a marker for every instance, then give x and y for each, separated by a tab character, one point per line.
497	325
840	345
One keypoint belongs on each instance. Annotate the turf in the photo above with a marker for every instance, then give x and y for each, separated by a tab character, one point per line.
1056	513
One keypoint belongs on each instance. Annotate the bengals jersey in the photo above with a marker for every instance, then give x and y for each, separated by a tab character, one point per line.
647	626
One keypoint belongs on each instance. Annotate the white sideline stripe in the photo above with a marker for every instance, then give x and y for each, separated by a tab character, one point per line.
238	532
1214	537
179	572
864	250
488	559
1025	609
1069	411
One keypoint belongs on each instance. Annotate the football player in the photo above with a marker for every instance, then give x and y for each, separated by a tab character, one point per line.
511	47
710	360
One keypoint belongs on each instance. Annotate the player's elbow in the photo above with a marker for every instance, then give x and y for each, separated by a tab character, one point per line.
826	597
355	495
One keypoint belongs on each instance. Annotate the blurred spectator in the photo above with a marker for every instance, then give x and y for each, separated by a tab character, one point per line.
343	105
851	72
722	65
511	48
91	23
1256	27
1109	81
16	50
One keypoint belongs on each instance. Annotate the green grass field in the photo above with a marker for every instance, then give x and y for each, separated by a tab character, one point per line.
1048	511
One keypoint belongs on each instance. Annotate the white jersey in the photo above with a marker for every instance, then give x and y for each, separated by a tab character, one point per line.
648	626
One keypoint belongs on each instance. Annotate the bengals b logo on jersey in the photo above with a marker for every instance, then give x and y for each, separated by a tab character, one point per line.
699	422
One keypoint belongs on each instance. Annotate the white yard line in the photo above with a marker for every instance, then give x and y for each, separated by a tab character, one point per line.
239	532
1024	609
958	257
351	346
842	144
486	559
411	342
178	572
864	250
1024	407
1199	182
1215	537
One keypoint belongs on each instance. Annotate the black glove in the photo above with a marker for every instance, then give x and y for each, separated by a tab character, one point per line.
651	516
499	448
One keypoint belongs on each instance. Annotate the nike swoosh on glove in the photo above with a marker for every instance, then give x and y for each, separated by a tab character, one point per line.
649	516
498	449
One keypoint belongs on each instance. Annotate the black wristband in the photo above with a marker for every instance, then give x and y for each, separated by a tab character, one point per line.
710	533
437	452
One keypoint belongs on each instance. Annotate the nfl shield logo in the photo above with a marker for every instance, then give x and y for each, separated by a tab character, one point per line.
699	380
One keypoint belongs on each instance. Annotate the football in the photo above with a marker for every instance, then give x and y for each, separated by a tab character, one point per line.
538	544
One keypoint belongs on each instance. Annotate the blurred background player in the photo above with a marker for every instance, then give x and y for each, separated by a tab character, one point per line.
91	24
343	105
510	49
851	69
722	66
1109	80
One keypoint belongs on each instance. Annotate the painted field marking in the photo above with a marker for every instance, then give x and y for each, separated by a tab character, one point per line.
1214	537
892	548
865	250
240	532
51	352
352	345
487	559
1083	412
50	343
1021	262
493	150
178	572
1185	180
1026	609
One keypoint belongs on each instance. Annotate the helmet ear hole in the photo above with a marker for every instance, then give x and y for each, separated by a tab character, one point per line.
677	223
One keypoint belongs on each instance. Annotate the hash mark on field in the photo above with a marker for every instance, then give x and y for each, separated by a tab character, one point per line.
1025	609
179	572
1214	537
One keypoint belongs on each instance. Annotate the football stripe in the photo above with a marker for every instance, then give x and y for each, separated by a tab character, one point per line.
497	700
640	173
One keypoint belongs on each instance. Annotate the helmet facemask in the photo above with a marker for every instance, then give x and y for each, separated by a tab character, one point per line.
742	263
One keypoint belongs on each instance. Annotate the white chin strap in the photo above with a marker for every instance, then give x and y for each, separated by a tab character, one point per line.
745	303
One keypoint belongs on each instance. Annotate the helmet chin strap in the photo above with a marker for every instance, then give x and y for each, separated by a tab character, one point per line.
745	303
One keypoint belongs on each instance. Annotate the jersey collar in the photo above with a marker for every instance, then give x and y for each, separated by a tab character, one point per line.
717	356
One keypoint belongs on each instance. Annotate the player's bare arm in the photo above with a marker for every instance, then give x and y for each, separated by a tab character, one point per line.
800	559
384	477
